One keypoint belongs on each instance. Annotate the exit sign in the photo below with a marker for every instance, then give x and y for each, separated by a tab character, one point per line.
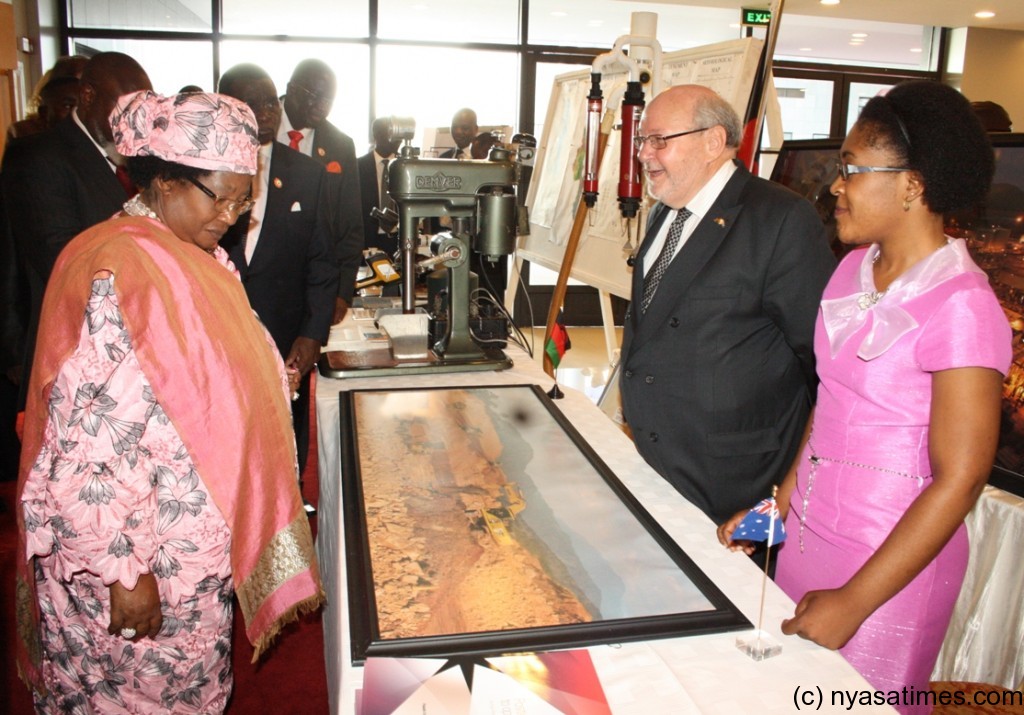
751	16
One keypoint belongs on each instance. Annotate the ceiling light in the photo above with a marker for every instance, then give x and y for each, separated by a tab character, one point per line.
859	35
807	49
829	2
915	49
985	15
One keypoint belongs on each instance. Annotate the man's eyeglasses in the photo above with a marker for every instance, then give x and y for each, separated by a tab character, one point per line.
221	203
324	100
847	170
657	141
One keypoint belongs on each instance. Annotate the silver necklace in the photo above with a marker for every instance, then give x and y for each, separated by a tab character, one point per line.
866	300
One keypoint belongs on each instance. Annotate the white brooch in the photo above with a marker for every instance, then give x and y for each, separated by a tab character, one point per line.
866	300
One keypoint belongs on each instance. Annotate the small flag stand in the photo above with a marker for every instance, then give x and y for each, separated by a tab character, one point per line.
554	349
761	523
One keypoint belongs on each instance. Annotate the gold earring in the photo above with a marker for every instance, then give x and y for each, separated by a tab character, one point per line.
906	205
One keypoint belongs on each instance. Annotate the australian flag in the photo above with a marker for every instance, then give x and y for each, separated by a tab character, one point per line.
762	523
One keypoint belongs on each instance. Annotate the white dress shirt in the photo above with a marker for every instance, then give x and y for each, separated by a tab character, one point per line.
699	206
306	145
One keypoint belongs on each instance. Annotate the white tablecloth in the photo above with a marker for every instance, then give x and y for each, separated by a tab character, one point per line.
704	674
985	640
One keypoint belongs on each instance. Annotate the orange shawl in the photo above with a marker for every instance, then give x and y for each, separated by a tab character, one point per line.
215	375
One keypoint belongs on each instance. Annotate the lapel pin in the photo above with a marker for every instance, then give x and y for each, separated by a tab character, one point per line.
720	221
278	183
320	151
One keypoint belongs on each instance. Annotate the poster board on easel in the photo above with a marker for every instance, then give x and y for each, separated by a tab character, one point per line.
727	67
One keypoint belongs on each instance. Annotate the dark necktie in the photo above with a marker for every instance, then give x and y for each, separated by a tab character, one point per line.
295	136
668	251
385	201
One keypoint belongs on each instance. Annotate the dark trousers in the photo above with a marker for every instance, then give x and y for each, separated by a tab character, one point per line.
10	447
300	420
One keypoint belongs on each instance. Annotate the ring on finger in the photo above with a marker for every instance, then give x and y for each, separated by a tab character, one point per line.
128	633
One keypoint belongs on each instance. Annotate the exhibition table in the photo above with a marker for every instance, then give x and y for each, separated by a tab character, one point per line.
705	673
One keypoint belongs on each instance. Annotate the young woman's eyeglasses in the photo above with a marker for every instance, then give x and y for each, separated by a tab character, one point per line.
847	170
221	203
657	141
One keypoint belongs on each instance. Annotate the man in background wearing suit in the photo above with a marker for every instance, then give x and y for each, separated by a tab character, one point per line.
371	177
493	276
464	131
718	358
283	248
304	127
67	179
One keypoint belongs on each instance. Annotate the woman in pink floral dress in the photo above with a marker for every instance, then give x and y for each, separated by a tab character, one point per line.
152	362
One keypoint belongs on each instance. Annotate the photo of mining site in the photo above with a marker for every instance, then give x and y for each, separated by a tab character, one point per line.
475	521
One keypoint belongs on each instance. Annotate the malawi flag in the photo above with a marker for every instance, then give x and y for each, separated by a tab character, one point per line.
558	343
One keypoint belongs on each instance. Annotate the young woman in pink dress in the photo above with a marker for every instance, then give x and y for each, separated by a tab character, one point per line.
911	347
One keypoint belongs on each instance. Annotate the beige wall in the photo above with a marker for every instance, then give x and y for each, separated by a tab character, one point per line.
993	70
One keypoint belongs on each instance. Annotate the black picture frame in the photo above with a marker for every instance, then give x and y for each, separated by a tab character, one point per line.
403	453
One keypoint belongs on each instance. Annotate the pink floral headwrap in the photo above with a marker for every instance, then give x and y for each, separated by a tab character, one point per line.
208	131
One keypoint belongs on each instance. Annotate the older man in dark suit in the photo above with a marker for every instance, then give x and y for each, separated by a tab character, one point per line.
717	358
304	127
283	249
65	180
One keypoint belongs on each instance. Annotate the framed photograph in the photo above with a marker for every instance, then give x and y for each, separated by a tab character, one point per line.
479	522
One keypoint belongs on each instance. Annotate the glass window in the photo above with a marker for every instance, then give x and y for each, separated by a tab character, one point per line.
184	15
350	63
827	40
449	20
806	106
597	23
304	18
170	64
431	84
860	93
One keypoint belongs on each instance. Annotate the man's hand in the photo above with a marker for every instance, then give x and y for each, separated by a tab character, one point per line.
303	355
138	608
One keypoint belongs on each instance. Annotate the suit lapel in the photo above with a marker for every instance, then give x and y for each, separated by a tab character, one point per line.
276	183
695	254
94	168
654	222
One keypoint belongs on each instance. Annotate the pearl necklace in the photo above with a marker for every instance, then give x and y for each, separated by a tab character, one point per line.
135	207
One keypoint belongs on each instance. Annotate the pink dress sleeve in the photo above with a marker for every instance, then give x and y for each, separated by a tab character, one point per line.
969	329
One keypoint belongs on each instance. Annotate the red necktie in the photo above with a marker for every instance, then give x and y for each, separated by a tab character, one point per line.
296	137
122	177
